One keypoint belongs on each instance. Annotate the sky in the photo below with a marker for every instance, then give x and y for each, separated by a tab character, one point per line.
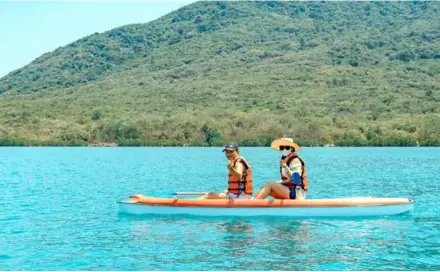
30	29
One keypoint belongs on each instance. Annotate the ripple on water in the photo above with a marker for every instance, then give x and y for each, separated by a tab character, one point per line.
59	212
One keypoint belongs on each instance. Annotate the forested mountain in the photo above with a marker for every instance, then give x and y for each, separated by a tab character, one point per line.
348	73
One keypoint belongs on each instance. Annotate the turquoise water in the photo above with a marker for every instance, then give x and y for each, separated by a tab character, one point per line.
59	212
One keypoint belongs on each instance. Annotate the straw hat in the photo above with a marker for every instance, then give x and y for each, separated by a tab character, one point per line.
286	142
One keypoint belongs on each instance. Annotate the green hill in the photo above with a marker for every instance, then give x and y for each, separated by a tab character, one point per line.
348	73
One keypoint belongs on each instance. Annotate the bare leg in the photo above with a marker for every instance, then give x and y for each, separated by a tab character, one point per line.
275	189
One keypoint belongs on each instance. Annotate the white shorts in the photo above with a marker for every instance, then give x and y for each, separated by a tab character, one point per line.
301	194
240	196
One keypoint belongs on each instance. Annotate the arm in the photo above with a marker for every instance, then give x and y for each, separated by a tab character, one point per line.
294	171
238	170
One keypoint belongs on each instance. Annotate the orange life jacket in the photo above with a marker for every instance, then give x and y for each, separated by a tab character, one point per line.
243	184
304	180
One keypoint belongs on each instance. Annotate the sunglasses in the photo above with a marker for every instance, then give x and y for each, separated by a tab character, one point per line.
282	147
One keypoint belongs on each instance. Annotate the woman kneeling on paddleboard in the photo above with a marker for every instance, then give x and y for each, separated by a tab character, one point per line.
293	183
239	177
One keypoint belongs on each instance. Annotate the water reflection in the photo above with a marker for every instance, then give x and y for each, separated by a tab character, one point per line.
273	243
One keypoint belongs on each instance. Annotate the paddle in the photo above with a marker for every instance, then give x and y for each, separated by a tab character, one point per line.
189	193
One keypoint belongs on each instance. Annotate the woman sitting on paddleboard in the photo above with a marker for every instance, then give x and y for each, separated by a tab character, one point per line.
293	183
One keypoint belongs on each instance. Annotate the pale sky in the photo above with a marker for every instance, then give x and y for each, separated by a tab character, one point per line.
30	29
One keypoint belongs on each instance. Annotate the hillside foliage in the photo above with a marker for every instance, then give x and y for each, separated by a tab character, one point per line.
342	73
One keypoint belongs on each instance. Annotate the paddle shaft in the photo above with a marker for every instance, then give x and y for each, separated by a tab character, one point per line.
189	193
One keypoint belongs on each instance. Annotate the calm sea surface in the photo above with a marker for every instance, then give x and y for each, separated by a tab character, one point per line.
58	211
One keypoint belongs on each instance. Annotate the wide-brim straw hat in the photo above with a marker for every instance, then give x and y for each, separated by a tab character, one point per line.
285	142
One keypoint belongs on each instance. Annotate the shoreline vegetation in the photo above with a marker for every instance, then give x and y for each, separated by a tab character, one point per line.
263	142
